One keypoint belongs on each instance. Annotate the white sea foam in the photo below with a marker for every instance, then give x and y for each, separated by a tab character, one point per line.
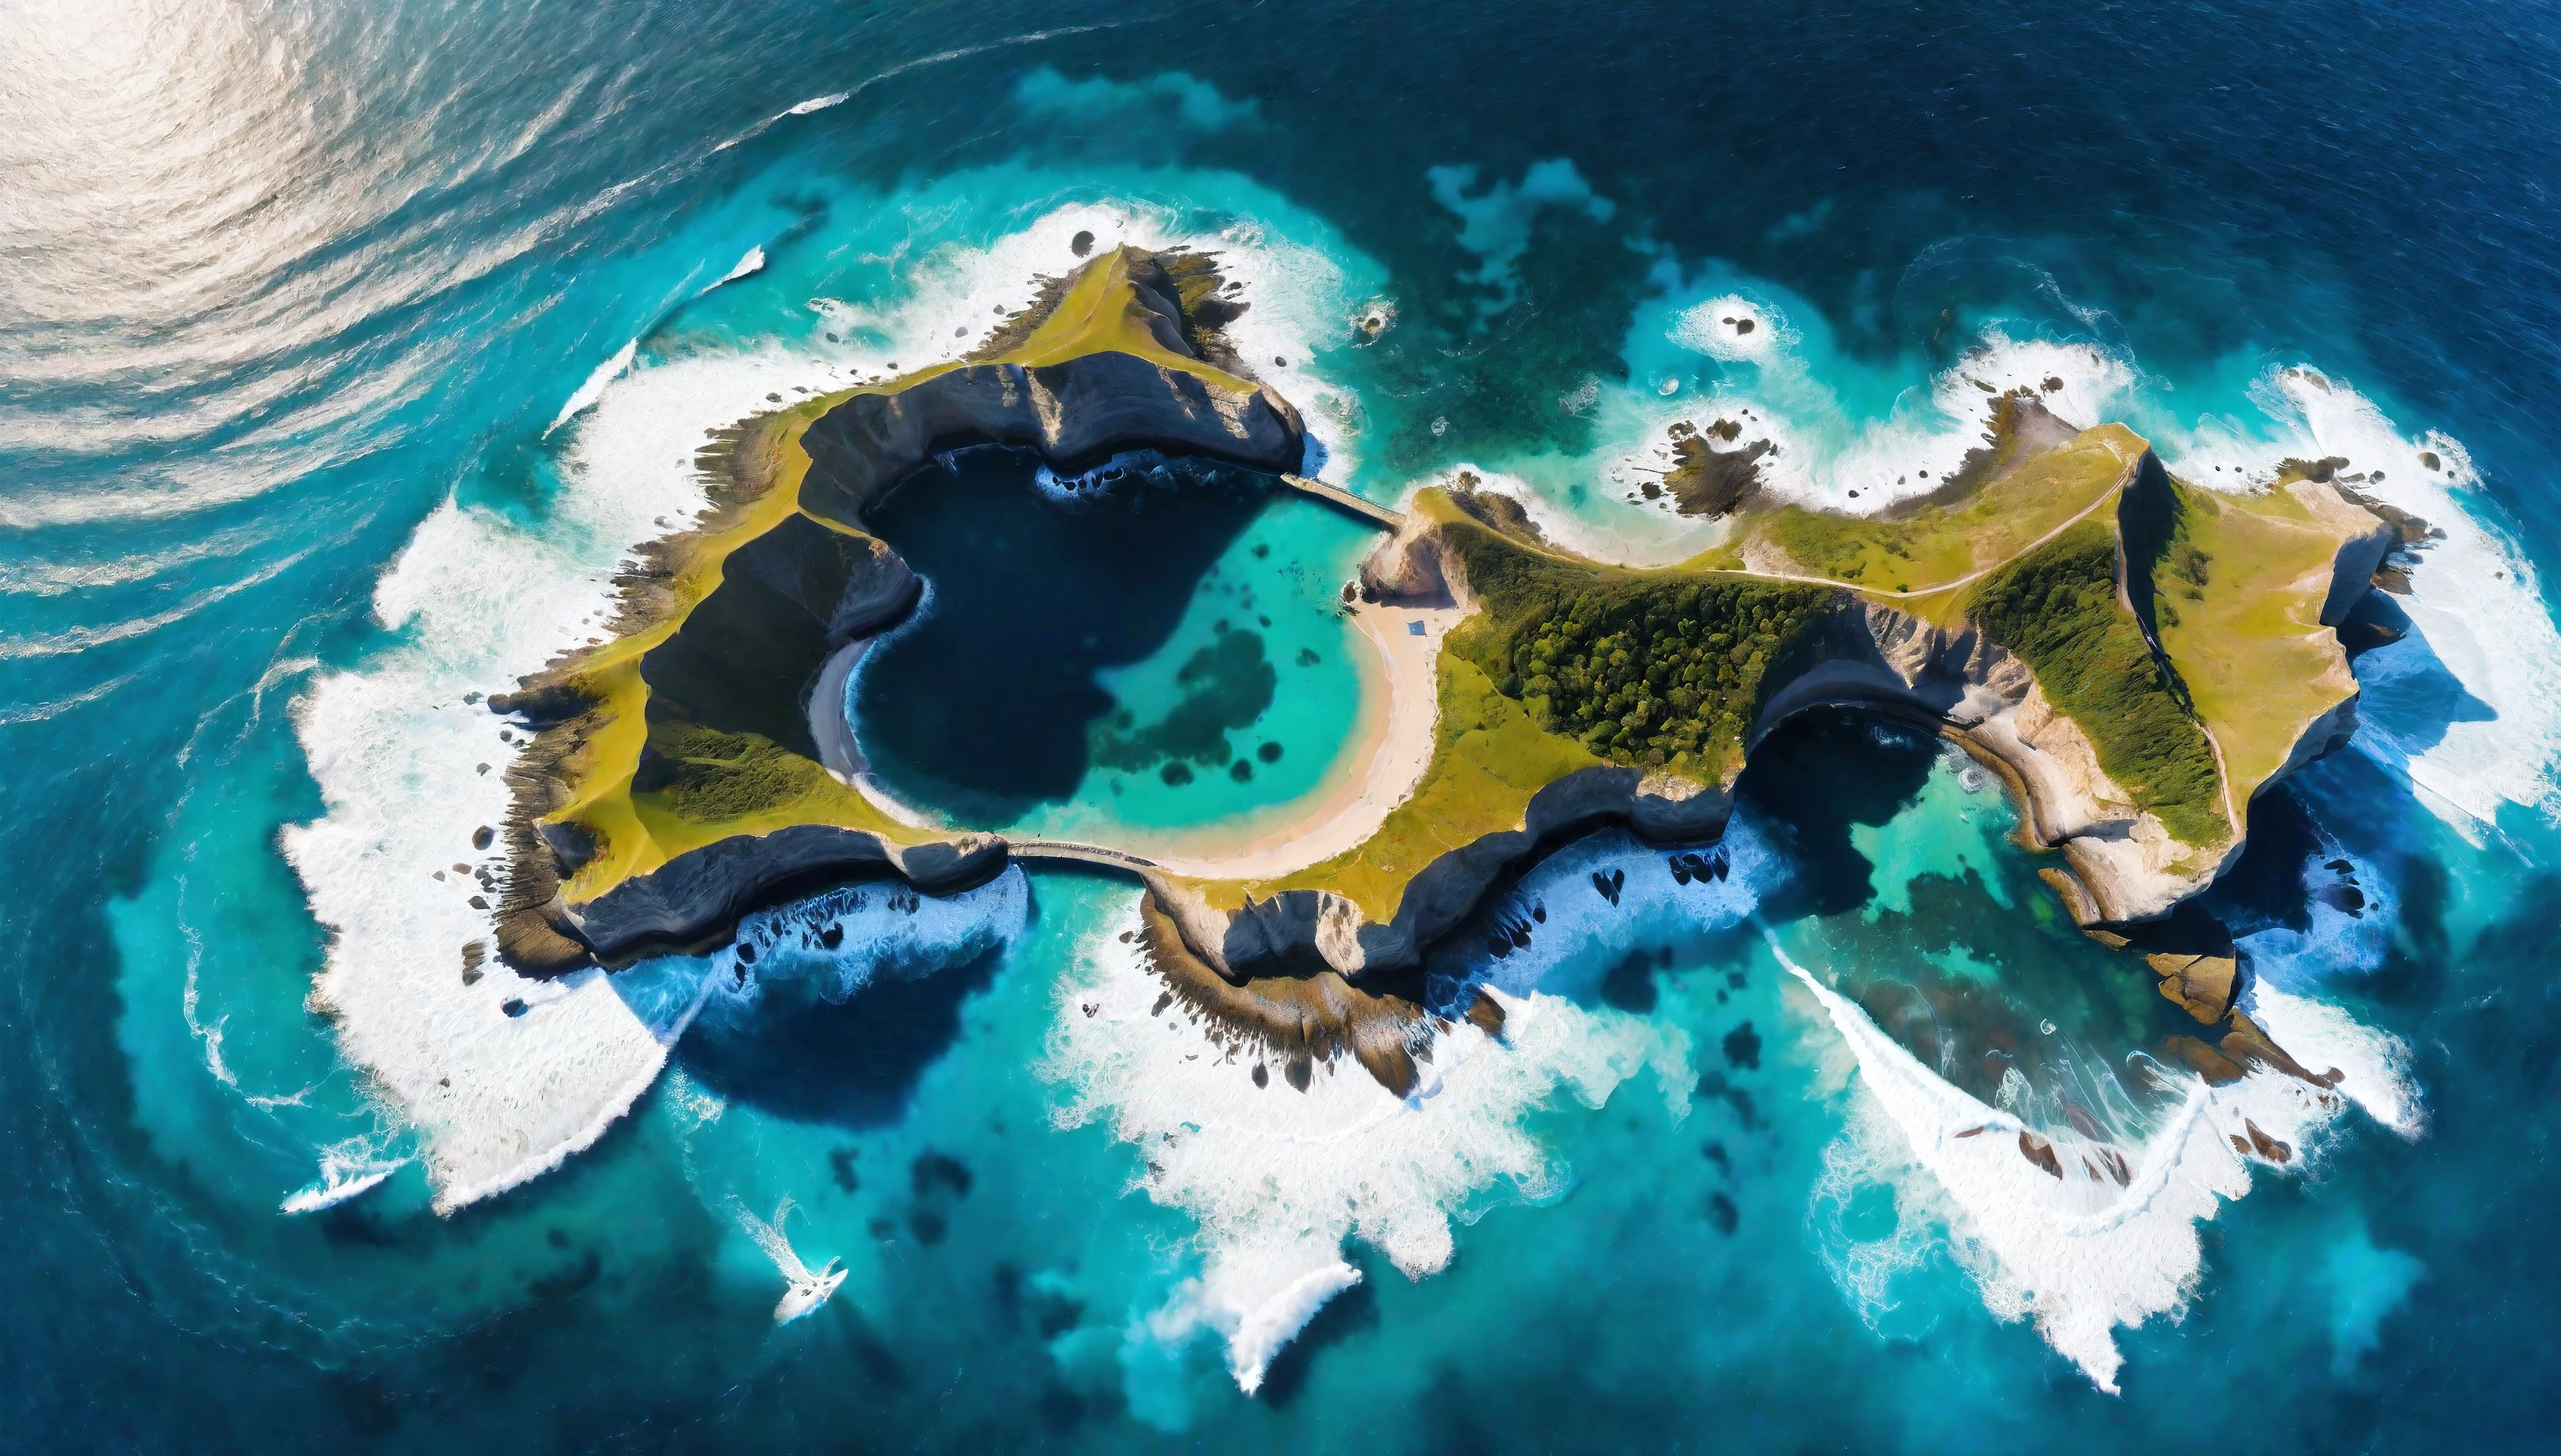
2468	707
1278	1179
837	942
747	267
804	1288
1297	293
2081	1254
1573	946
2478	605
2289	967
341	1178
1733	328
479	599
1825	417
596	384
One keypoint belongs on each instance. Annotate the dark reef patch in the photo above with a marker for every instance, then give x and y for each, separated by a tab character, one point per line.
1226	686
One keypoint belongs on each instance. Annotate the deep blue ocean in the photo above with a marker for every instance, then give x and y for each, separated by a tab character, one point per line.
343	350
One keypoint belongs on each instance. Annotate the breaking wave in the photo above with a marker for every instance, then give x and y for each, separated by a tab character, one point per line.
1278	1179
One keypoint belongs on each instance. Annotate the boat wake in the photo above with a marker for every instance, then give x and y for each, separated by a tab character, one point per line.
806	1288
341	1178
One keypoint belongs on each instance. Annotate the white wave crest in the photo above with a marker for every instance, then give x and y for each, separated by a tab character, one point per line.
479	599
1278	1179
839	941
1573	930
341	1178
2081	1253
748	267
596	383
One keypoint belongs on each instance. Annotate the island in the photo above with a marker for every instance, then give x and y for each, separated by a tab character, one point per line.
2136	657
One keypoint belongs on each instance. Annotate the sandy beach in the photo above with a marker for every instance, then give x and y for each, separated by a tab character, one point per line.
1400	702
1391	747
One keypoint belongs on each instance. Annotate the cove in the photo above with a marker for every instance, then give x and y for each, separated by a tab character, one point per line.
1137	646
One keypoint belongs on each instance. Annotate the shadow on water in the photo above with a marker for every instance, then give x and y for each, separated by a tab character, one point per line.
1352	1312
1815	778
853	1064
987	703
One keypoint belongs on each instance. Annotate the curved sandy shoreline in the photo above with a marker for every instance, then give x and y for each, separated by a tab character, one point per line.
1392	748
1386	766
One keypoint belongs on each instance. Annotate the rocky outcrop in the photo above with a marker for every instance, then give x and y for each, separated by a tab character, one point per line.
1075	412
736	683
2201	985
695	899
2122	864
2118	865
1298	1020
1300	928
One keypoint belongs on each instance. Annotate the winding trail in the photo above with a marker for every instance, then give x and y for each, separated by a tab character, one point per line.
1397	752
1969	578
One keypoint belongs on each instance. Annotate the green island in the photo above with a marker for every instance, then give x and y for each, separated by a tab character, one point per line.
2136	657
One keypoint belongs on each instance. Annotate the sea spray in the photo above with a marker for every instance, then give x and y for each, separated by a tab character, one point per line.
598	383
2067	1229
2349	927
397	743
1277	1178
1565	934
838	942
480	599
804	1288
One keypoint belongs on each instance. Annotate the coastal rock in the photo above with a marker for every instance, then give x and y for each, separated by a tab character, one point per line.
691	902
2120	864
1308	926
2202	985
733	685
1076	412
1296	1018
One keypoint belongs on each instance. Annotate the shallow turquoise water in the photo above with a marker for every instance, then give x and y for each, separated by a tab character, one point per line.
1171	655
321	417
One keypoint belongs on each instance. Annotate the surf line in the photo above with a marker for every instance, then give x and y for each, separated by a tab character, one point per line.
1901	1081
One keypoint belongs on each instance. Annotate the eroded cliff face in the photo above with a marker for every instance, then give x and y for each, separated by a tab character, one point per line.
683	773
2117	863
1077	412
1297	929
736	638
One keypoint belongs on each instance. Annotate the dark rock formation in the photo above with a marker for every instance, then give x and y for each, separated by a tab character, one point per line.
1076	414
735	675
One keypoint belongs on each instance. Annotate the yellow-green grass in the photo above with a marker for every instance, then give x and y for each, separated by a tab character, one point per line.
1488	760
2059	609
1934	549
1496	742
637	833
2238	601
1101	313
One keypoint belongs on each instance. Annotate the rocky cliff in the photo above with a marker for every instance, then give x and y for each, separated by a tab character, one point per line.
678	774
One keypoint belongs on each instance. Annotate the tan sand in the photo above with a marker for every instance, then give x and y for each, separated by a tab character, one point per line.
1392	742
1400	671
